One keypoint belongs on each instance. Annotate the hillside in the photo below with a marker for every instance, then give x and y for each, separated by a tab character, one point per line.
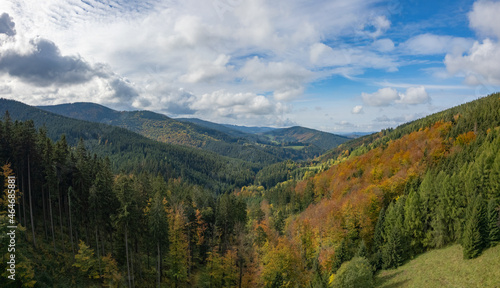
379	202
323	140
392	195
219	127
199	134
445	268
132	152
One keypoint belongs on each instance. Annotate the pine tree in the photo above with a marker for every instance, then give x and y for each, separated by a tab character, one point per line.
413	222
493	224
362	250
340	256
378	241
158	225
178	252
392	253
473	241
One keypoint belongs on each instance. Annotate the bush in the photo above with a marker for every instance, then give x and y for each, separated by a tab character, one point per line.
355	273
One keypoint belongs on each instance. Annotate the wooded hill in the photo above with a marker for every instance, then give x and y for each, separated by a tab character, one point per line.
205	135
364	207
132	153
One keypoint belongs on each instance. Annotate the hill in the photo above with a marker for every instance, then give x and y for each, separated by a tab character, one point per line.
195	133
445	268
392	195
297	134
130	151
219	127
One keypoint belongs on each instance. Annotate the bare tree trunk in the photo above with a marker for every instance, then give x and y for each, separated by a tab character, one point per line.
60	218
52	224
31	204
44	214
126	253
159	260
97	245
70	225
24	202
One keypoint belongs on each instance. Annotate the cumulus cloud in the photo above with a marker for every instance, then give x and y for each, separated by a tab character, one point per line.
357	110
388	96
429	44
414	96
383	97
383	45
481	62
45	66
7	25
227	104
479	65
484	18
286	79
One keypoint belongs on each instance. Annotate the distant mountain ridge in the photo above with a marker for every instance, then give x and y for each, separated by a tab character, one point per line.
257	144
131	152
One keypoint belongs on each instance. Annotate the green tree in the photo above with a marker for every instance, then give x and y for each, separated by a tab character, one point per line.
413	221
493	223
353	274
178	248
473	240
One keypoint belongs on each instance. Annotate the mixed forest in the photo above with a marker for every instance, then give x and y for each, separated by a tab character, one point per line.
101	206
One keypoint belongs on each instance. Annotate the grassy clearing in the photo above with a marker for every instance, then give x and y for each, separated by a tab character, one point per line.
445	268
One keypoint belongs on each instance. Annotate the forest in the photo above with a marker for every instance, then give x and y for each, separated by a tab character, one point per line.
91	219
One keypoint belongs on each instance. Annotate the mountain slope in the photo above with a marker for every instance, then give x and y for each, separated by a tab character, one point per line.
399	192
132	152
323	140
207	136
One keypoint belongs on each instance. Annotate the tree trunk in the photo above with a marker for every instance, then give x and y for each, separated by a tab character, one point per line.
31	204
60	218
97	245
70	225
159	260
52	224
24	202
126	253
44	214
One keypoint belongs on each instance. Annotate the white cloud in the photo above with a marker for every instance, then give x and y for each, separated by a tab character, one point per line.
286	79
429	44
383	45
479	66
357	110
414	96
383	97
484	18
388	96
381	24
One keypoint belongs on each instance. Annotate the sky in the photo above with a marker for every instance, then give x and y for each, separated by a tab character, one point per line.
336	66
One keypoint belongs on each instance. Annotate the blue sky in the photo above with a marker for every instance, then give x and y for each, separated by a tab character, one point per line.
337	66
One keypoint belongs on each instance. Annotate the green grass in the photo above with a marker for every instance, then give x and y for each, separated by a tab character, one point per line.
445	268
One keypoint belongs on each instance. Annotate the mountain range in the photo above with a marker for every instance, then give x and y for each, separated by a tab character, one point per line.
263	144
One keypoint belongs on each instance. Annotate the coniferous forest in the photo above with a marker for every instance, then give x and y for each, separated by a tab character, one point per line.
100	206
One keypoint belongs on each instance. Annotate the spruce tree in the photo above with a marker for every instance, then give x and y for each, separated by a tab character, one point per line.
473	239
413	222
493	225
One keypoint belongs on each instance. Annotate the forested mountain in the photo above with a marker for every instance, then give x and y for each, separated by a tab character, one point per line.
296	134
131	152
219	127
200	134
371	204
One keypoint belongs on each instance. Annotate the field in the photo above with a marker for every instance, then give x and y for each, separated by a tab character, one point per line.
445	268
